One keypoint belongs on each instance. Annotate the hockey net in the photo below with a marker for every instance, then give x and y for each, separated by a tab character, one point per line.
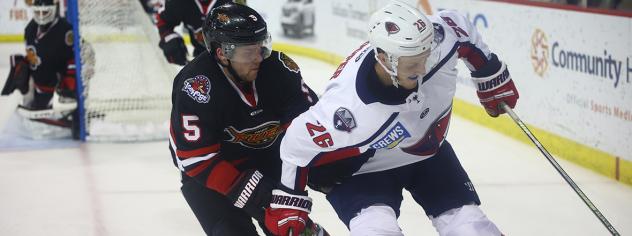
127	81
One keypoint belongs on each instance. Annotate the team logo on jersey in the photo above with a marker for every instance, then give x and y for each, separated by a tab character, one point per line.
198	88
392	138
433	138
288	63
391	28
258	137
439	33
32	57
69	38
344	120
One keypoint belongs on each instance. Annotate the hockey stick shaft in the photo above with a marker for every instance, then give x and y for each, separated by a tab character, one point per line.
559	169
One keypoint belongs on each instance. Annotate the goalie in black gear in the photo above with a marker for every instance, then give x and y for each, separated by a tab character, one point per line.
46	68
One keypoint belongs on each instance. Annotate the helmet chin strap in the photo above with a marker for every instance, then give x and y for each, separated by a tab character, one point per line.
392	73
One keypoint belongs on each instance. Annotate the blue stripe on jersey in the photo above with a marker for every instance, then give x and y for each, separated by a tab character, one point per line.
379	131
442	62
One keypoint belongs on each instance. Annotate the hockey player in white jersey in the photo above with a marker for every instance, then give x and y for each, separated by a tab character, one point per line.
381	124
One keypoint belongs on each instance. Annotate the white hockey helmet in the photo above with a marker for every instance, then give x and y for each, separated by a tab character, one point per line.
400	30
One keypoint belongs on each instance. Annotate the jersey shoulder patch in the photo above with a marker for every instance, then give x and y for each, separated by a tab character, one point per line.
344	120
198	88
288	63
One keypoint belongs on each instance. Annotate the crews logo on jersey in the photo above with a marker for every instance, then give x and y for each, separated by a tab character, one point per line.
288	63
392	138
344	120
198	88
258	137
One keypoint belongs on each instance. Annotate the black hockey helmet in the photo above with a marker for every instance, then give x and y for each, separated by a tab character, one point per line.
231	25
44	11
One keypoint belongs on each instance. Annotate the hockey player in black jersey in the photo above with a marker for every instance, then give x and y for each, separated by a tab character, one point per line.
231	105
48	63
191	13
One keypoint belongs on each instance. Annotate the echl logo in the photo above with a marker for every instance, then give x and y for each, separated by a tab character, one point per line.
198	88
258	137
391	28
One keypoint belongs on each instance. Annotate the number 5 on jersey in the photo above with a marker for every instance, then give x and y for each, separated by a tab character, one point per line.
322	137
191	130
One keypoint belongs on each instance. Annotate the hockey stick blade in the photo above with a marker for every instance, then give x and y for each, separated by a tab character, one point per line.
559	169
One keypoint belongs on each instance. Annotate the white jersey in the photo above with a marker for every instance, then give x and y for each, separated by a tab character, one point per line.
351	119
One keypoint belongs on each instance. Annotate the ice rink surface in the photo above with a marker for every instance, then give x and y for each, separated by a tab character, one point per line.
133	188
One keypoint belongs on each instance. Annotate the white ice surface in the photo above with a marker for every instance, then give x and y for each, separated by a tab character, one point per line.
133	188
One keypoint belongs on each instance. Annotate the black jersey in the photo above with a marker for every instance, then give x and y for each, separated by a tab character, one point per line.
189	12
220	128
49	52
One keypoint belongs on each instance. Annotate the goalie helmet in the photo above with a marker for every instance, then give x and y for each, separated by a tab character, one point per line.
399	30
44	11
232	25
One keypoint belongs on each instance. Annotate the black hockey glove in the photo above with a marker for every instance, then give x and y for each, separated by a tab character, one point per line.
173	48
18	76
252	193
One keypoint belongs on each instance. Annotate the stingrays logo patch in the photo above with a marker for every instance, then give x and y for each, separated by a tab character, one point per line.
392	138
391	28
288	63
198	88
344	120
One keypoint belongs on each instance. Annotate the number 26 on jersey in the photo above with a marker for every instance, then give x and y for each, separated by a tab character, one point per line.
319	135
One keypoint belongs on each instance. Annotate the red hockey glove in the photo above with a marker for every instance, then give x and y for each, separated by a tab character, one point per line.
287	214
495	89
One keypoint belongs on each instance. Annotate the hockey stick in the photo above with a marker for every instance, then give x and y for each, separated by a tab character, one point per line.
559	169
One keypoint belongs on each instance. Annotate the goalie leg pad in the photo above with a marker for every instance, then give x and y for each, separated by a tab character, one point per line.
466	220
375	220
